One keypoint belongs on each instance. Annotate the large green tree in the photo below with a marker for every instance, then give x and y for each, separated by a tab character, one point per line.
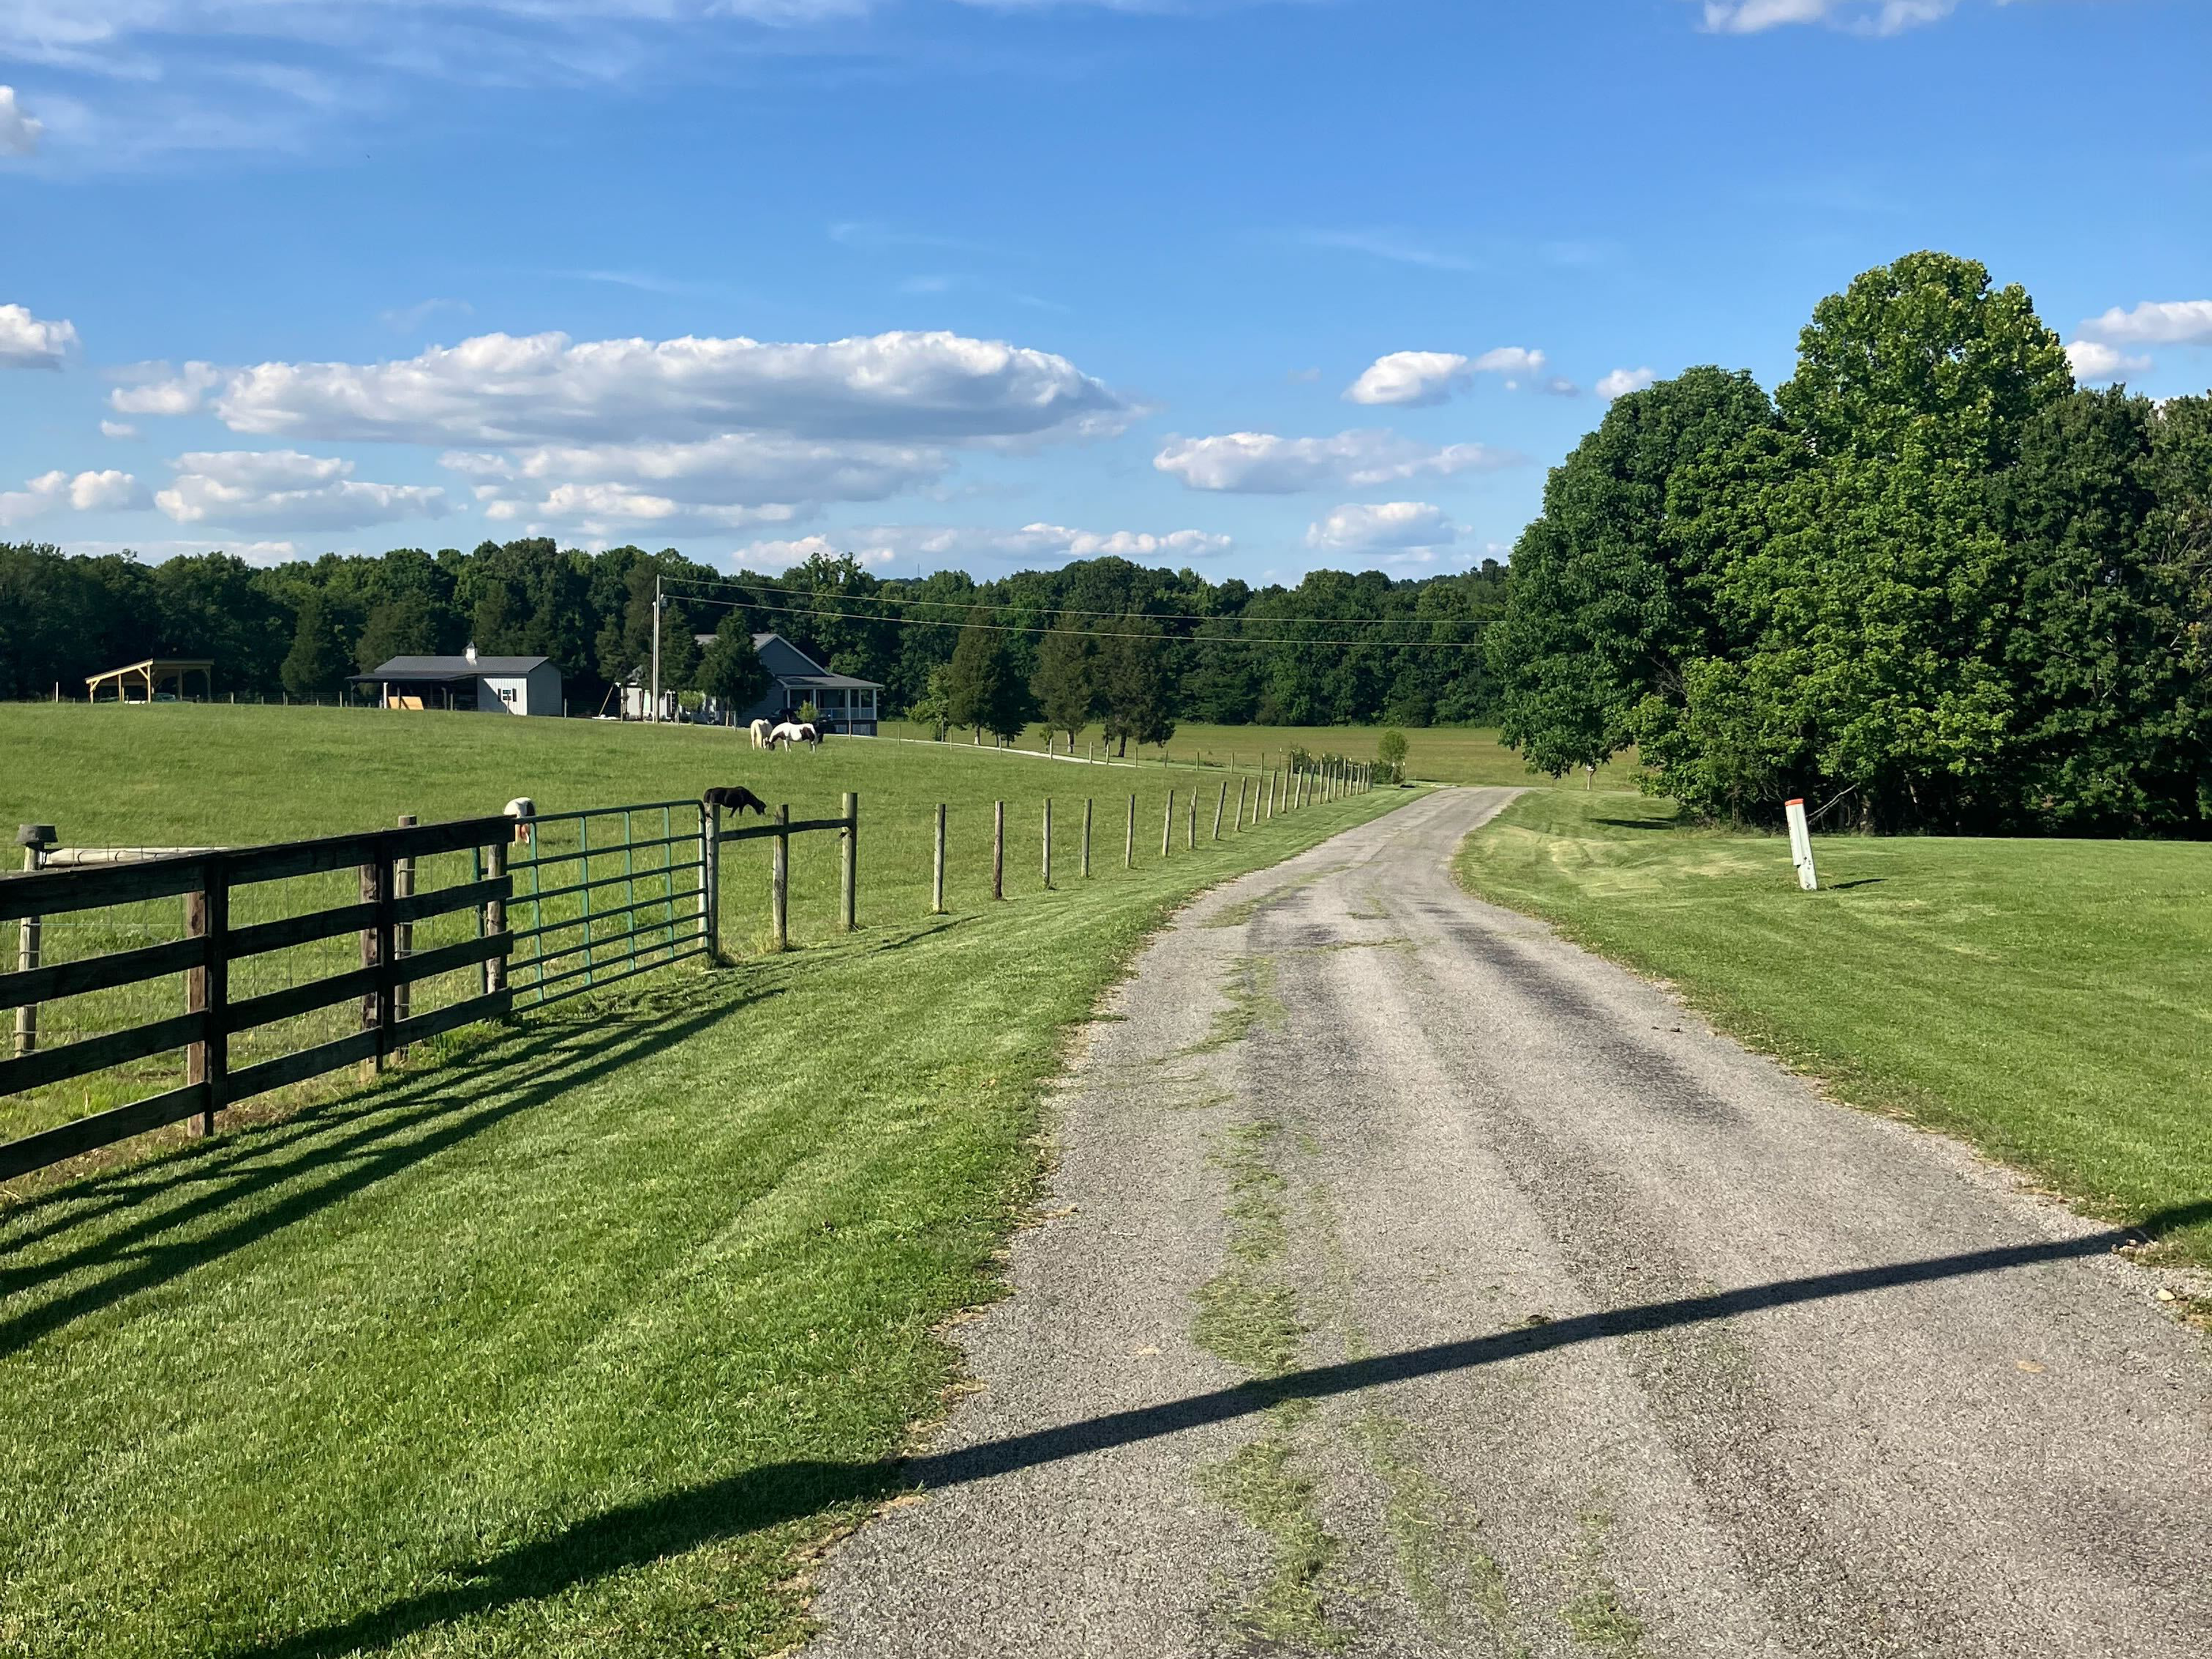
730	670
984	688
1135	683
1065	684
1610	596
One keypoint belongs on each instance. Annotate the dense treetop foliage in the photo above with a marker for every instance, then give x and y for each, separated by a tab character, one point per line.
303	628
1931	581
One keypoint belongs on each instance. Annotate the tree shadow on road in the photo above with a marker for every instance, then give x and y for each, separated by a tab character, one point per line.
774	1494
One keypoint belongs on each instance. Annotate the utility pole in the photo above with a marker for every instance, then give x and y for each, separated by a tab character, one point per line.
655	714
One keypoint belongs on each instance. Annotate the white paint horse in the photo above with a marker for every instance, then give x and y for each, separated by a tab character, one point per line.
792	731
760	729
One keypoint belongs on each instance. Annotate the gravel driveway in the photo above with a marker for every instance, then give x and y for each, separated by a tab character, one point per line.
1416	1284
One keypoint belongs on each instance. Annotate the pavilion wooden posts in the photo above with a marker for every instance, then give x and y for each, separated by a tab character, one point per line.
848	867
779	883
937	867
999	850
1086	838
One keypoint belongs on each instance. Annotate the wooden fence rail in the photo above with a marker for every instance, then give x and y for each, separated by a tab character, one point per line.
206	955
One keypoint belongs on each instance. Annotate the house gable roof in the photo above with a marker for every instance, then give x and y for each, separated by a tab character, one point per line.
451	668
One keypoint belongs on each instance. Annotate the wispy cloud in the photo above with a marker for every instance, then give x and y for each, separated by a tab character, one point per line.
1395	246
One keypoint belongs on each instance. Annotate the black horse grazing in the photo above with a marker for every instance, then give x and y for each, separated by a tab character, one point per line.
736	797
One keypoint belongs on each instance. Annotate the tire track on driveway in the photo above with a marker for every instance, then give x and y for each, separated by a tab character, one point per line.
1417	1284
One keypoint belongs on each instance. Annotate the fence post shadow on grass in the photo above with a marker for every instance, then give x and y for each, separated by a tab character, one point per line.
362	1138
771	1495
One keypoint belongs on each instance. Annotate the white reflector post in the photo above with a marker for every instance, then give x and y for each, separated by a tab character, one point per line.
1801	845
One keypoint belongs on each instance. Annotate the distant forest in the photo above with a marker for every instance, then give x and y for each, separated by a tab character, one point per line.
1222	652
1928	583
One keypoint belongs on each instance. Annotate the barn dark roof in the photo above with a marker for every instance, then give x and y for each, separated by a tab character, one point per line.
450	668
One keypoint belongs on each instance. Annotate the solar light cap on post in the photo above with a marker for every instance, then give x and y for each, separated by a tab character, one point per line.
37	837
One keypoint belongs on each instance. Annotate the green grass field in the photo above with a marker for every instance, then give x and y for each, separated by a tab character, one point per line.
579	1342
1437	754
2050	1001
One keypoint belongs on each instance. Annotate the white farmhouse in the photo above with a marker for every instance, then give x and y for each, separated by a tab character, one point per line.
498	685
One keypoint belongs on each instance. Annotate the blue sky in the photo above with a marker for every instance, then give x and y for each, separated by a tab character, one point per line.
1253	288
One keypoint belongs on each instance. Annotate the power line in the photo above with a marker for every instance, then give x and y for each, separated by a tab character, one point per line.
1094	633
1004	604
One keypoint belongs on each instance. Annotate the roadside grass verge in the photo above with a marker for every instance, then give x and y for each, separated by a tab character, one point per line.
2050	1001
580	1343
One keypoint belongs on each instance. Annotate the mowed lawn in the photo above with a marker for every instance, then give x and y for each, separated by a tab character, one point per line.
1437	754
2050	1001
577	1344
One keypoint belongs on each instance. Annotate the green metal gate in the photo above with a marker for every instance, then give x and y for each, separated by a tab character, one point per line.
603	895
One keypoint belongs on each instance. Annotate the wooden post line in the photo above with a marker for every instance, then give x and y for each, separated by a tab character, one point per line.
937	868
999	850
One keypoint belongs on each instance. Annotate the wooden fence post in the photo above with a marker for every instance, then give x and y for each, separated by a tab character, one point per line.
848	867
937	867
1190	825
1242	784
779	884
30	932
378	941
1167	825
403	933
493	921
1086	838
999	850
207	991
710	882
1222	806
1048	843
1129	848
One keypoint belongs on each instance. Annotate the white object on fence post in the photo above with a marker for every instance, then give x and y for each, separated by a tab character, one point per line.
1801	845
34	839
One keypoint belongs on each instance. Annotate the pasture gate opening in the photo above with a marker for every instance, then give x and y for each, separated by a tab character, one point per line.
150	990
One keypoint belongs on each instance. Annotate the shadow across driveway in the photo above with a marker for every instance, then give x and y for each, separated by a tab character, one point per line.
775	1494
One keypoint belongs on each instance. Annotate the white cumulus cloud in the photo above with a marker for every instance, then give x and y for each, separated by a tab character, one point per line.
85	492
19	133
510	389
1622	381
117	429
159	389
937	545
1411	378
2093	360
289	489
1513	361
2154	322
1384	526
1262	464
28	341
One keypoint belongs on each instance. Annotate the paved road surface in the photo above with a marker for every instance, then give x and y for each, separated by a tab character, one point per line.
1420	1285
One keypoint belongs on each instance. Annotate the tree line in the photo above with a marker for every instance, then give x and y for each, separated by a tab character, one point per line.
1120	635
1929	582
